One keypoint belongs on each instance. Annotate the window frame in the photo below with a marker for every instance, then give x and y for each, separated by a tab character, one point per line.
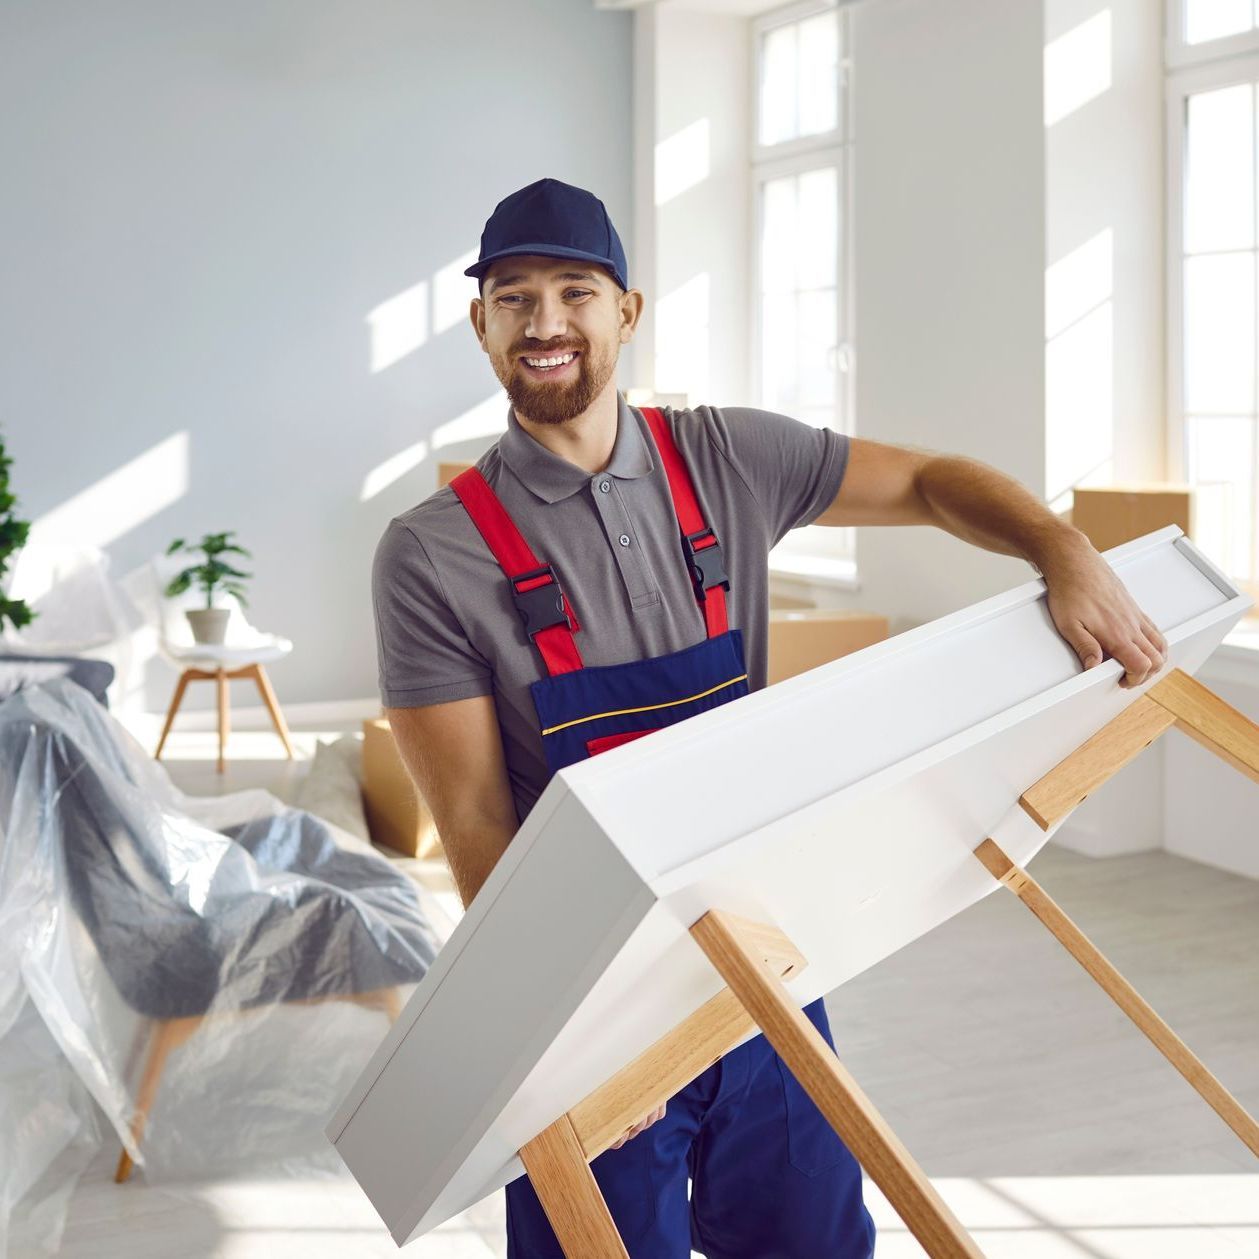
833	148
1178	54
1180	84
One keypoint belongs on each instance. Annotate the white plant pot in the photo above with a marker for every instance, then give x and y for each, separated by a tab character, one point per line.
209	625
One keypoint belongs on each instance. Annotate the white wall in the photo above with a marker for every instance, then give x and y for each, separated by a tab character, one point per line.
949	262
202	206
1104	243
701	198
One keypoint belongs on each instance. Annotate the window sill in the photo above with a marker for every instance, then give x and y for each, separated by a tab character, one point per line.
816	570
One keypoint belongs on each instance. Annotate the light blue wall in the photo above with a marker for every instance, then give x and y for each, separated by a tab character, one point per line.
201	205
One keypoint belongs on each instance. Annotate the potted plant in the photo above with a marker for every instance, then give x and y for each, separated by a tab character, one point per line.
209	624
13	533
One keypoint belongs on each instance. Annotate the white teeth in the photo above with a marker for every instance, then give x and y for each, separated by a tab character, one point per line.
550	362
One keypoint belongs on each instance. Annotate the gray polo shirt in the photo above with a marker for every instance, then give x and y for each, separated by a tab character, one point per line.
446	627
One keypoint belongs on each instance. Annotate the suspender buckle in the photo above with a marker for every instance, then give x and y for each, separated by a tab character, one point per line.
706	566
540	606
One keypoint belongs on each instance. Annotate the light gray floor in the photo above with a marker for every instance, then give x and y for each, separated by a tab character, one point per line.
1052	1127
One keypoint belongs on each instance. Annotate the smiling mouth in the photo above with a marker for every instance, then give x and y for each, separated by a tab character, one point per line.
557	369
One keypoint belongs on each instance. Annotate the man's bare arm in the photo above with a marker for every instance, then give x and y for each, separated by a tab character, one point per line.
1092	610
454	754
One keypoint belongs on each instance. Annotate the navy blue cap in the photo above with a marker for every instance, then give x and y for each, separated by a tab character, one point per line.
553	219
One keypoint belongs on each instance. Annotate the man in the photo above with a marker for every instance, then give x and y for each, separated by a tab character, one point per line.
602	572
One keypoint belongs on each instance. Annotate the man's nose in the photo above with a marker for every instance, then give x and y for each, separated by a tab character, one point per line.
547	320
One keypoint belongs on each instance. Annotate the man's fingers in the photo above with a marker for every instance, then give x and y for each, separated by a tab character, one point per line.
642	1125
1085	646
1136	662
1151	631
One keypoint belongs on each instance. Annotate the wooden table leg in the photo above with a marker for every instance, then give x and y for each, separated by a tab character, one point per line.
1120	991
570	1195
1208	720
180	687
220	679
725	940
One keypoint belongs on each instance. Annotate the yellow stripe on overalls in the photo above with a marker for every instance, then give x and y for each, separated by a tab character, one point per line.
672	703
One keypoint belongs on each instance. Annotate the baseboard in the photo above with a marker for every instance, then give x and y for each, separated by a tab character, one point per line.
321	714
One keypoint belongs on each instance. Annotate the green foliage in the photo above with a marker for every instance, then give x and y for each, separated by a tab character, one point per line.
12	537
213	573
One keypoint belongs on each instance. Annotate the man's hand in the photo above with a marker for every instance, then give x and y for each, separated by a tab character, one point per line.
641	1126
1097	616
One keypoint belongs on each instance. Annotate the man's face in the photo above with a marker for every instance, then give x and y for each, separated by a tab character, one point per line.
535	308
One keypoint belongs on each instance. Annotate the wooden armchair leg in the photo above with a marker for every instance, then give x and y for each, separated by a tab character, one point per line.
168	1035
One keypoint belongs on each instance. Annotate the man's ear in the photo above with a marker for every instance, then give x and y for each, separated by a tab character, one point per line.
476	312
631	306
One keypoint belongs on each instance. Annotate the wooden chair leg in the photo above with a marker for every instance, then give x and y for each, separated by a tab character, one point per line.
1120	991
812	1061
180	687
391	1001
570	1195
168	1035
220	679
273	707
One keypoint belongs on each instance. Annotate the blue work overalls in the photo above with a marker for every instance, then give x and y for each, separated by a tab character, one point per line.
770	1178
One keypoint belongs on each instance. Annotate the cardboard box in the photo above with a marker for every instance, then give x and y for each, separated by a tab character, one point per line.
447	470
396	813
800	640
1114	514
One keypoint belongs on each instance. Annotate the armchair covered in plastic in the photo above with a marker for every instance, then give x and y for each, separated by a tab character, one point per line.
213	971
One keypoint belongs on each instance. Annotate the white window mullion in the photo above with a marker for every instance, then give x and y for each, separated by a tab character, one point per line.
1213	302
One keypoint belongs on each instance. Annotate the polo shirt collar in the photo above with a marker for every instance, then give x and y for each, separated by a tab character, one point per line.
552	477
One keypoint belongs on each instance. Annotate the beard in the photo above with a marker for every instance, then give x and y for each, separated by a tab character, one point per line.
547	402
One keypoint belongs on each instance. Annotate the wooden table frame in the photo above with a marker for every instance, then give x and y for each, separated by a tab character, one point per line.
754	959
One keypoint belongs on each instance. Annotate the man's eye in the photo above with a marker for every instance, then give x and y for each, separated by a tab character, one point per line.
513	296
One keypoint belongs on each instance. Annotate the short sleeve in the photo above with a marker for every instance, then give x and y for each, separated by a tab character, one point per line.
423	654
792	469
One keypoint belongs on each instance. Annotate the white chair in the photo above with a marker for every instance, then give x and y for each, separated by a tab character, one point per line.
243	653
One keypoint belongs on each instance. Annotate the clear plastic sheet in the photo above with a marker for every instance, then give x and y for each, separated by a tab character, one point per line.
234	958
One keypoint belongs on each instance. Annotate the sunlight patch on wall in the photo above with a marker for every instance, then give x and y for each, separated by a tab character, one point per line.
682	330
120	500
1077	67
1079	406
1079	369
453	292
486	419
682	160
399	326
1079	282
383	475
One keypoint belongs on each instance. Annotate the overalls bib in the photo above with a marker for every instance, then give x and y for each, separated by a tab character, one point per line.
771	1177
585	710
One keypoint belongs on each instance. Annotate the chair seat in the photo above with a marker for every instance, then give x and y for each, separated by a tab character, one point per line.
267	648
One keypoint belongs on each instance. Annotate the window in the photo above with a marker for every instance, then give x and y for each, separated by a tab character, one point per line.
802	352
1205	20
1213	274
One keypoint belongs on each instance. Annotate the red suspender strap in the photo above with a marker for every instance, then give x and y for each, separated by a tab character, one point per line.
543	606
708	575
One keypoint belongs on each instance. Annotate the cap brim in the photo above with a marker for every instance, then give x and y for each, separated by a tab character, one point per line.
479	268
